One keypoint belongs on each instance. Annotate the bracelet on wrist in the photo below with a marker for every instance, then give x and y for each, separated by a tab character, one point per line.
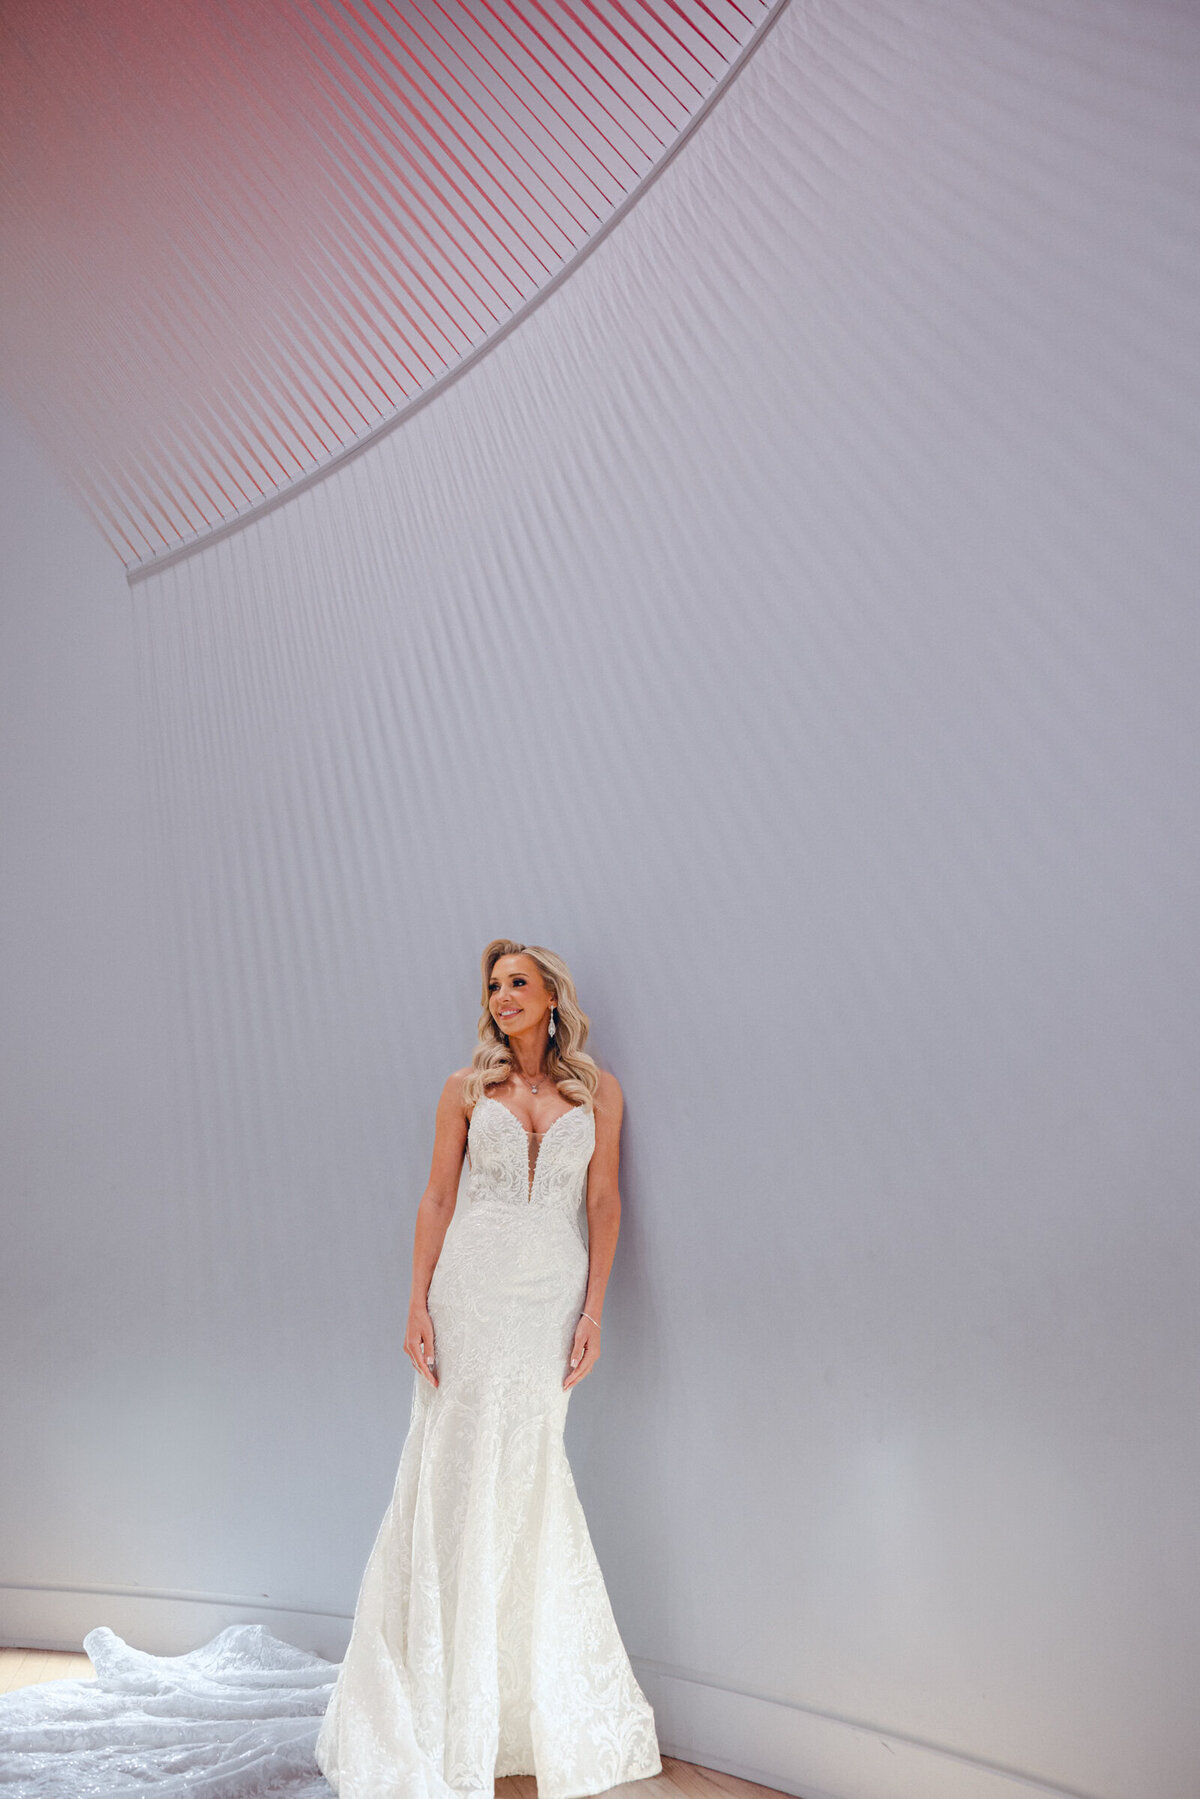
595	1321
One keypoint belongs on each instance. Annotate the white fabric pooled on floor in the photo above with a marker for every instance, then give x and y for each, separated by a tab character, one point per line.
238	1716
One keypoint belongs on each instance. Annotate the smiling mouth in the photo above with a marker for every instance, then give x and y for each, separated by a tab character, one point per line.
512	1014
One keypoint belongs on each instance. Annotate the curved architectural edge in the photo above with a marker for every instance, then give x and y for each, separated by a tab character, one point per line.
817	1754
154	565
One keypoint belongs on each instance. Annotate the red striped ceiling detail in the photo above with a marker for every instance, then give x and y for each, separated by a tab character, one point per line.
237	238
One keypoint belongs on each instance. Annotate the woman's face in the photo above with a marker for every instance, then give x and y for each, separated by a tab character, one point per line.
517	995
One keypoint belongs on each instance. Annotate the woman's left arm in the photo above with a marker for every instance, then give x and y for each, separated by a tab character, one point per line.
604	1223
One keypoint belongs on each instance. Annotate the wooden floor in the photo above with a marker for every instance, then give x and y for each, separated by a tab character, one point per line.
27	1667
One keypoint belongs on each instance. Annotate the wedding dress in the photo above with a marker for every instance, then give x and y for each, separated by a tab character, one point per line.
483	1641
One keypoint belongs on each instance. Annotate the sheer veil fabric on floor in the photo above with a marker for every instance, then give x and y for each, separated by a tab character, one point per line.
236	1719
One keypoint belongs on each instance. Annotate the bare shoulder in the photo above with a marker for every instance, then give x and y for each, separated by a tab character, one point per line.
609	1100
452	1093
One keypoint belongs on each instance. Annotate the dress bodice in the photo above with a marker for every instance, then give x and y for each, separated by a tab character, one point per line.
525	1168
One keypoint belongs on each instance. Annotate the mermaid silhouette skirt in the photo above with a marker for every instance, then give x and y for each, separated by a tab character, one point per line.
484	1643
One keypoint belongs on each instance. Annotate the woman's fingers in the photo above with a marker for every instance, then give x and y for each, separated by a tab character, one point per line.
585	1352
419	1348
428	1354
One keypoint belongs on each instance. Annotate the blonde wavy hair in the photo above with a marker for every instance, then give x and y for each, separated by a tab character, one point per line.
568	1064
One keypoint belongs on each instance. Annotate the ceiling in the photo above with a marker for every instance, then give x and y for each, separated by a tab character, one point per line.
238	241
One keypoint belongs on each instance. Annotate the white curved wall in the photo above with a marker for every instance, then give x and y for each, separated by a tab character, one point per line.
795	624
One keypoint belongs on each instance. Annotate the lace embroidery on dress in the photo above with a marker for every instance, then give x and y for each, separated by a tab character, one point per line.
484	1642
534	1139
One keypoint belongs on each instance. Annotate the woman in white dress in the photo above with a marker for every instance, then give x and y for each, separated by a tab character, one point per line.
484	1643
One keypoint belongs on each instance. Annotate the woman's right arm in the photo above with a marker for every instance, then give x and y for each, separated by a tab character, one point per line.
434	1213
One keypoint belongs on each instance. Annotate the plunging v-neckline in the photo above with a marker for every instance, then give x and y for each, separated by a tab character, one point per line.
535	1155
521	1127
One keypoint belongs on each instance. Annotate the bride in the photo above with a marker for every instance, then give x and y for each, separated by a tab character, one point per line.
484	1642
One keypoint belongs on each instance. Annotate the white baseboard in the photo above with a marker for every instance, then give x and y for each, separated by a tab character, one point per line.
161	1622
802	1752
814	1755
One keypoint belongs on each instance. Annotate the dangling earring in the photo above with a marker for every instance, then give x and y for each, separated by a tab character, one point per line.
551	1032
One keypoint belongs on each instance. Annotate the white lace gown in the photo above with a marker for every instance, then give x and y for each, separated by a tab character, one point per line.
484	1643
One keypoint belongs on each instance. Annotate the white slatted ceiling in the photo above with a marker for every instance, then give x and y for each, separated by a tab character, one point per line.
237	243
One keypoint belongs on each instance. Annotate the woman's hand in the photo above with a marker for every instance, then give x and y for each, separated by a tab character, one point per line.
418	1343
585	1351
